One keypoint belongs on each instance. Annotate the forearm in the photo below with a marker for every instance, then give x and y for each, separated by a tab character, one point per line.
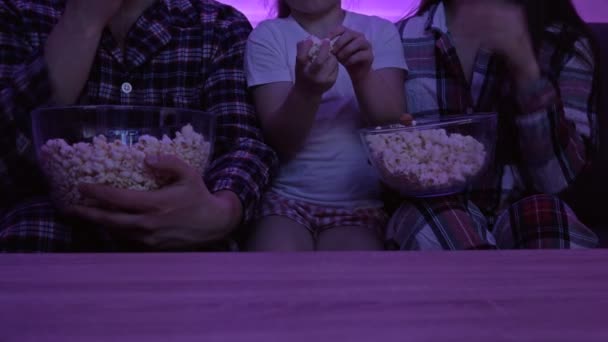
287	128
554	127
553	150
69	52
381	101
232	208
245	170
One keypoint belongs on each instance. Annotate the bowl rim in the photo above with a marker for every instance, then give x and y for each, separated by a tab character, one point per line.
437	122
94	108
37	114
442	120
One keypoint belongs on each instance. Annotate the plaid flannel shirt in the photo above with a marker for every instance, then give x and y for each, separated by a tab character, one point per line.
544	134
180	53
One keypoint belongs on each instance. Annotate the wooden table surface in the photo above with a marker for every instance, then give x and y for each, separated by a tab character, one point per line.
445	296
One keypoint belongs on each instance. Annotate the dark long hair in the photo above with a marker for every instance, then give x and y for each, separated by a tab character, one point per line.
282	9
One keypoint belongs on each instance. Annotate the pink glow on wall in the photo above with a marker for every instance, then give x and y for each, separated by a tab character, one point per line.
256	10
595	11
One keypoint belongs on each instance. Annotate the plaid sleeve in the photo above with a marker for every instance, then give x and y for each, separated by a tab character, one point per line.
24	85
557	128
243	162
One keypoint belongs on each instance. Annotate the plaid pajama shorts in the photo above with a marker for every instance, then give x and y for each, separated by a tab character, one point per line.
450	223
318	218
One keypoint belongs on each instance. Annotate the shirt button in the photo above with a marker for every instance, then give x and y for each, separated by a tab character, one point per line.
126	88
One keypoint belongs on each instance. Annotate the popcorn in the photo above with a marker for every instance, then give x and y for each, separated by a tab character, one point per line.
116	164
426	160
313	53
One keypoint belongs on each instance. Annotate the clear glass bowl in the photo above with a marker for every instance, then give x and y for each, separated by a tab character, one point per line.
436	157
108	145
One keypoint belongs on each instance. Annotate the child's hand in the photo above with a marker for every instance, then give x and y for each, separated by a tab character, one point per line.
315	76
353	51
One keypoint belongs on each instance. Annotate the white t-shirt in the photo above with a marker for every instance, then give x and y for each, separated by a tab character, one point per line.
331	169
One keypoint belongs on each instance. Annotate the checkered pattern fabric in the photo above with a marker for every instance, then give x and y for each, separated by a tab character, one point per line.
545	135
180	53
452	223
35	226
320	218
540	222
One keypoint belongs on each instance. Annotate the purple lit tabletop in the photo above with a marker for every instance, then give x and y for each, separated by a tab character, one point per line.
464	296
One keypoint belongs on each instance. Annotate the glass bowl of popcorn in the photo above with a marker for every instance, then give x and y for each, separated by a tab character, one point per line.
434	156
108	145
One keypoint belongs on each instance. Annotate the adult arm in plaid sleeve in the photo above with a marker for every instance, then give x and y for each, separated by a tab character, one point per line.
190	212
32	76
243	163
23	84
557	123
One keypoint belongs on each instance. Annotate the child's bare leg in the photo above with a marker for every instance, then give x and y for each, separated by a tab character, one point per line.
357	238
280	234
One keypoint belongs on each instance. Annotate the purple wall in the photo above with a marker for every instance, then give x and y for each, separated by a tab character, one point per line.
256	10
593	10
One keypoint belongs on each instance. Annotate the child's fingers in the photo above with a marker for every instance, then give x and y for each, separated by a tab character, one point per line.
338	31
359	57
324	54
303	49
330	67
356	45
347	37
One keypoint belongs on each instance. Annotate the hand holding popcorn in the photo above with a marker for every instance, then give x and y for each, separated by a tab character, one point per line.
319	75
313	53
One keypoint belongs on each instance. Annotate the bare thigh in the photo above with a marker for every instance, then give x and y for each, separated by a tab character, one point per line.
356	238
280	234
